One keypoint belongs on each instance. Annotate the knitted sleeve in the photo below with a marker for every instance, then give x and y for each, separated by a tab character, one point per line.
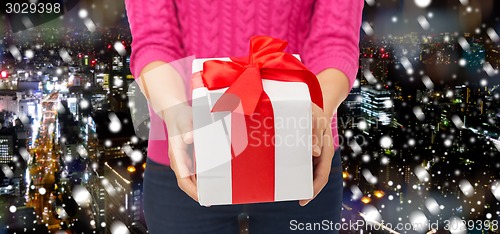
333	40
155	32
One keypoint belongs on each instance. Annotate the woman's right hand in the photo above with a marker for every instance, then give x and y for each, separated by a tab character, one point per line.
179	123
164	89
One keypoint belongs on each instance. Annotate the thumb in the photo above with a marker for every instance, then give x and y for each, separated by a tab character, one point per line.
185	126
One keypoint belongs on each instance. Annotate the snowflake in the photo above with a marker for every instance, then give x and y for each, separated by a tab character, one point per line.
370	2
422	174
423	3
366	158
15	52
367	28
371	214
65	55
120	48
136	156
362	125
462	62
466	188
84	104
418	220
83	13
134	139
118	227
457	225
42	191
386	142
492	34
457	121
407	65
423	22
432	205
483	82
464	44
369	176
115	124
495	189
384	160
29	54
356	192
81	195
428	82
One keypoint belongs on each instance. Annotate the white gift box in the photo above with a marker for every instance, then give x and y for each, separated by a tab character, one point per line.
293	172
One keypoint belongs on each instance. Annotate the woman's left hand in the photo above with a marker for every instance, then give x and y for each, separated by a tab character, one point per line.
323	150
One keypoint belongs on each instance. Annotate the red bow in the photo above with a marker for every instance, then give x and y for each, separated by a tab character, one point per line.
244	75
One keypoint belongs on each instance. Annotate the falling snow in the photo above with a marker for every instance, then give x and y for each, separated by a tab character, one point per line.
367	28
81	196
423	3
371	214
386	142
118	227
423	22
432	206
115	124
118	46
466	188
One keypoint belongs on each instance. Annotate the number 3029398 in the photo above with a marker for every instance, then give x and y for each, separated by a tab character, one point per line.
32	8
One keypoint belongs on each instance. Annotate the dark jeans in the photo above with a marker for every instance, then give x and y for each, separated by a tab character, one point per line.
169	210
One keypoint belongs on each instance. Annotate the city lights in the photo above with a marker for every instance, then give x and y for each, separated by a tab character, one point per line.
378	193
366	199
131	169
345	174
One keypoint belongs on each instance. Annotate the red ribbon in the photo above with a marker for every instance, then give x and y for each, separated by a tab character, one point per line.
253	169
243	76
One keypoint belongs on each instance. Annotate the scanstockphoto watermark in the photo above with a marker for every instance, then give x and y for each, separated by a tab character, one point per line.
363	225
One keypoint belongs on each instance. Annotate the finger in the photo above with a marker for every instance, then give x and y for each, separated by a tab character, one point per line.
182	166
317	141
180	158
185	126
189	187
318	128
327	149
322	166
321	173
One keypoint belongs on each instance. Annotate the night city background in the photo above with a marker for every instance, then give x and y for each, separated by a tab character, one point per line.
421	132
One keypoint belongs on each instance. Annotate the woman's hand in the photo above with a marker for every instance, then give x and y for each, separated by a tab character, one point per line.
164	89
179	123
323	150
335	88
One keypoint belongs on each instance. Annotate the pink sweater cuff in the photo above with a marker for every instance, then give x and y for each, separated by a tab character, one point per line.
349	68
147	55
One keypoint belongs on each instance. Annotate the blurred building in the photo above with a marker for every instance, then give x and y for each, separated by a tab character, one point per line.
353	105
9	100
373	70
124	196
6	149
376	106
20	103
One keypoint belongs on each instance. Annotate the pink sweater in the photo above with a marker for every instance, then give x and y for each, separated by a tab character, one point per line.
324	32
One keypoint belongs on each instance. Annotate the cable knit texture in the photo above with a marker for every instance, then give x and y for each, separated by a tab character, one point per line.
324	32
